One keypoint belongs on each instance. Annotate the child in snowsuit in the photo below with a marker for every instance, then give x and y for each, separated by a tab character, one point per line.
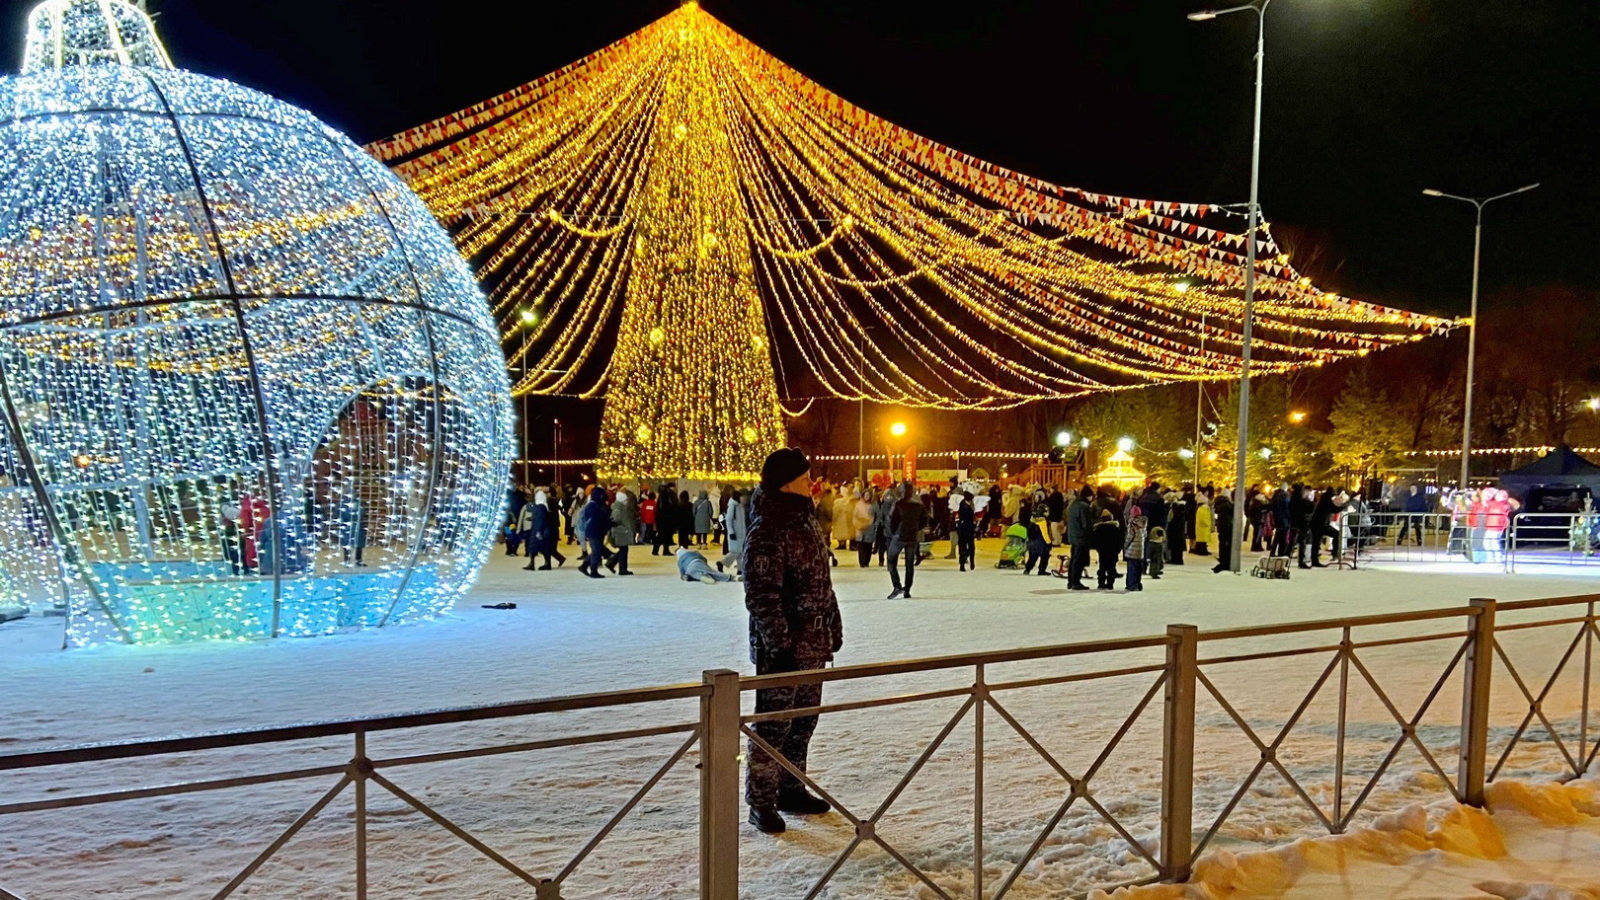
1107	541
1134	551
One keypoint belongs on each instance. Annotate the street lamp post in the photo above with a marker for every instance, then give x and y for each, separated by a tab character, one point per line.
1472	328
1260	9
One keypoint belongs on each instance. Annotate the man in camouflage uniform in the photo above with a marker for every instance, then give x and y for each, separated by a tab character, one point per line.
794	626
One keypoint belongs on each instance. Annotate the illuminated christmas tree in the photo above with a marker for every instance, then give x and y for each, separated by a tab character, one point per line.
249	388
684	226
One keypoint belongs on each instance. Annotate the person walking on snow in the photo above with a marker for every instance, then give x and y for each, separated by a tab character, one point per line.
596	524
546	533
1134	549
966	532
1107	544
624	526
885	513
735	523
844	519
905	537
1038	541
703	512
794	626
1080	528
1224	524
1155	514
864	518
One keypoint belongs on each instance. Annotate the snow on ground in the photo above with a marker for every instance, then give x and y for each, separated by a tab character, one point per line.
572	635
1541	842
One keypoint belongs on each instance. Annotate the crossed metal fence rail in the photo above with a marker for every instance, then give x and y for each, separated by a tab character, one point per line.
1179	678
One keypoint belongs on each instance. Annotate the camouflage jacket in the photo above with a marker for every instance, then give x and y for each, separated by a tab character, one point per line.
788	585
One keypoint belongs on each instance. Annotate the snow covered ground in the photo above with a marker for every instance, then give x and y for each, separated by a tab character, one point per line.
571	635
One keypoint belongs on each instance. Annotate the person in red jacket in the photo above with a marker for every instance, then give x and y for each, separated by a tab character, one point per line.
647	515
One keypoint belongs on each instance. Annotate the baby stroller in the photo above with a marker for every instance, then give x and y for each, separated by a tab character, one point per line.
1015	550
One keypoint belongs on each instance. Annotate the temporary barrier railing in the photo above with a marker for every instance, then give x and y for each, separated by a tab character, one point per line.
1562	539
1398	537
1177	671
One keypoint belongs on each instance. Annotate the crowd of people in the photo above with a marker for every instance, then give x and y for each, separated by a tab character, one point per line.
1124	535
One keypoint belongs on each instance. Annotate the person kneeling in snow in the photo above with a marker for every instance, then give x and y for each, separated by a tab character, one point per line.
692	566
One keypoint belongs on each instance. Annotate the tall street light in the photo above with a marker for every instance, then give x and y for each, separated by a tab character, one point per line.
1472	327
1260	9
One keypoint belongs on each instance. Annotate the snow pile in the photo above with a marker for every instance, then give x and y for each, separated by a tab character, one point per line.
1541	842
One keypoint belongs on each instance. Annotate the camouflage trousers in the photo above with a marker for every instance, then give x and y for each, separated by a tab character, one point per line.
766	779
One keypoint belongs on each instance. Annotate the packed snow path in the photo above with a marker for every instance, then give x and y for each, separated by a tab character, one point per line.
573	635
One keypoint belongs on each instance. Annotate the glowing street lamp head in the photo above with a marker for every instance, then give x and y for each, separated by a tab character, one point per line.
1181	287
898	429
1266	452
1594	403
1204	15
1125	444
1063	438
1185	453
1085	442
1297	417
1432	192
529	317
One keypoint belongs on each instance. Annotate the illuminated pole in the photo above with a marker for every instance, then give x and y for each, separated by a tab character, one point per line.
1199	404
1472	328
1243	448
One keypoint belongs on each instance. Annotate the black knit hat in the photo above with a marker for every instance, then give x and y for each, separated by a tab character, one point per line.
782	467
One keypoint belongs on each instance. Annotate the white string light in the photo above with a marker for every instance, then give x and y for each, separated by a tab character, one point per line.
233	347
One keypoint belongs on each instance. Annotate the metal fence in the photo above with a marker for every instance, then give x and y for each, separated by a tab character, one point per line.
1553	539
1495	657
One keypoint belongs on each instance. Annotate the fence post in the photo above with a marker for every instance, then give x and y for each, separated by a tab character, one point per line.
1177	754
1475	703
719	786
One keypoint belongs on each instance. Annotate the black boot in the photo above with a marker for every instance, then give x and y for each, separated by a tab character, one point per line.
767	821
802	803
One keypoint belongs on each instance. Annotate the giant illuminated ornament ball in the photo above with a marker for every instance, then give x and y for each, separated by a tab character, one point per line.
249	388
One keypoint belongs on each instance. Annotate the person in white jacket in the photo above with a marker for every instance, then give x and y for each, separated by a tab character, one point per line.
736	524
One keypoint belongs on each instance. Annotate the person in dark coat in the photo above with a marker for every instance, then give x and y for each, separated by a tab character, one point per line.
794	626
1177	528
1282	512
1155	516
1255	509
1222	510
1038	542
1322	526
1301	510
991	512
1107	544
596	525
685	519
544	538
967	533
1080	527
666	521
1056	516
885	512
905	537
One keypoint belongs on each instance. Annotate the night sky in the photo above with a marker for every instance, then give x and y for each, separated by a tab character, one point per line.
1367	102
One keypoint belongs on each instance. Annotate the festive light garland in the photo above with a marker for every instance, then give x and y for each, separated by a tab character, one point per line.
767	222
233	347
